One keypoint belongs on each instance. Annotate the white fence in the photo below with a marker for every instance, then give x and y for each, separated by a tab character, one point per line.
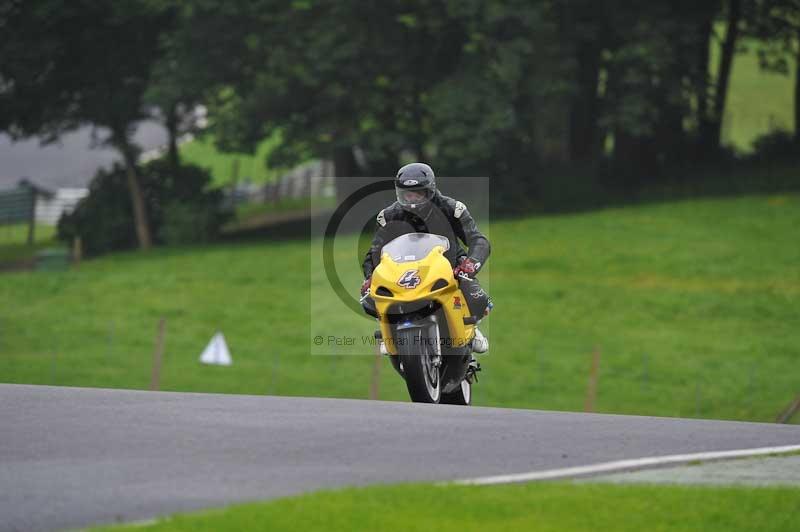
313	179
48	211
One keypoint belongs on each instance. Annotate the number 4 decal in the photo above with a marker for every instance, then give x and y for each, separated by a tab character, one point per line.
410	279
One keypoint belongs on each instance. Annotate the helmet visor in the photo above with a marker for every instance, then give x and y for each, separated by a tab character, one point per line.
413	197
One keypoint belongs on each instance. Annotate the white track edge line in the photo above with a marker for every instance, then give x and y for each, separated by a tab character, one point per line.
621	465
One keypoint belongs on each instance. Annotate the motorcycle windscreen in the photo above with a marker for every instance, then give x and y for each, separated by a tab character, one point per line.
414	246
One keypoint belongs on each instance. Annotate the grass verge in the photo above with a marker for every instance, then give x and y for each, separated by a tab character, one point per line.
538	506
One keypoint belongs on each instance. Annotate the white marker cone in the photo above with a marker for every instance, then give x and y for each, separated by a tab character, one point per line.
216	352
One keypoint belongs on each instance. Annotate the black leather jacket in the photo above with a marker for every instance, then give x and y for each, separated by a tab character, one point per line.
447	217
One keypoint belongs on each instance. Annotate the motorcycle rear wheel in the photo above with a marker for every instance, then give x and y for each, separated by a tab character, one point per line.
417	357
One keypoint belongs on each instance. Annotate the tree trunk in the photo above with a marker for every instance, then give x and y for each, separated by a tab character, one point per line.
635	160
797	94
583	108
670	136
384	165
135	190
344	169
171	123
723	78
702	82
419	141
344	163
703	59
360	207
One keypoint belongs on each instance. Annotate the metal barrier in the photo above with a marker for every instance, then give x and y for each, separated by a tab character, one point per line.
18	205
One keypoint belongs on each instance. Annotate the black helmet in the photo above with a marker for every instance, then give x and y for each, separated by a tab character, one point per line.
415	185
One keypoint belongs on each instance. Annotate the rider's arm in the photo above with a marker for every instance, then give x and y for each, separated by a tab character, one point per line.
467	231
380	238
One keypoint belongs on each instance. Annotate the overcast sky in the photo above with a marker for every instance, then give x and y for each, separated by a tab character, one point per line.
71	162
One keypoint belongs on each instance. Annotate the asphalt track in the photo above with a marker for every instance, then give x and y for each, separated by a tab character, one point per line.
72	457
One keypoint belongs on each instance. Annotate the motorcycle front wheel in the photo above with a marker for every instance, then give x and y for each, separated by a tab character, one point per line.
418	355
460	396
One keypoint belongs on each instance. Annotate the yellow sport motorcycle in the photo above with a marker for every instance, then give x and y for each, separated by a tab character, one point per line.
425	323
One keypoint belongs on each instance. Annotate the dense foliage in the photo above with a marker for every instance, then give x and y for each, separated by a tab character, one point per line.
521	90
182	209
614	89
66	63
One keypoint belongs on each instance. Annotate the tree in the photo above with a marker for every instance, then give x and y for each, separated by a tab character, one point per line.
349	81
727	51
174	92
182	208
475	87
339	79
585	30
67	63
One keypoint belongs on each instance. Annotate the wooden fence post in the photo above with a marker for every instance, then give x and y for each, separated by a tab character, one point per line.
591	387
787	413
77	250
375	381
155	377
32	219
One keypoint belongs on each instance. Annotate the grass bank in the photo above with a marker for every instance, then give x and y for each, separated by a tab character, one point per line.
692	306
529	507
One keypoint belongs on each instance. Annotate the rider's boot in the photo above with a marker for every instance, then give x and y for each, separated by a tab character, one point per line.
480	344
381	344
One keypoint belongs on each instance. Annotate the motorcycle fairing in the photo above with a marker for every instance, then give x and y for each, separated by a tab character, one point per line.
436	285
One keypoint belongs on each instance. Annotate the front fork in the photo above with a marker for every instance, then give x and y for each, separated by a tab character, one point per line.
433	337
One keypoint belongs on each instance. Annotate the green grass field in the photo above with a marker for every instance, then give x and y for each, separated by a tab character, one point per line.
758	101
14	238
251	166
531	507
693	306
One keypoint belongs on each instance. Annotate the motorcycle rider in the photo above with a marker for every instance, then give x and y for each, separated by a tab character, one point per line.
421	208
